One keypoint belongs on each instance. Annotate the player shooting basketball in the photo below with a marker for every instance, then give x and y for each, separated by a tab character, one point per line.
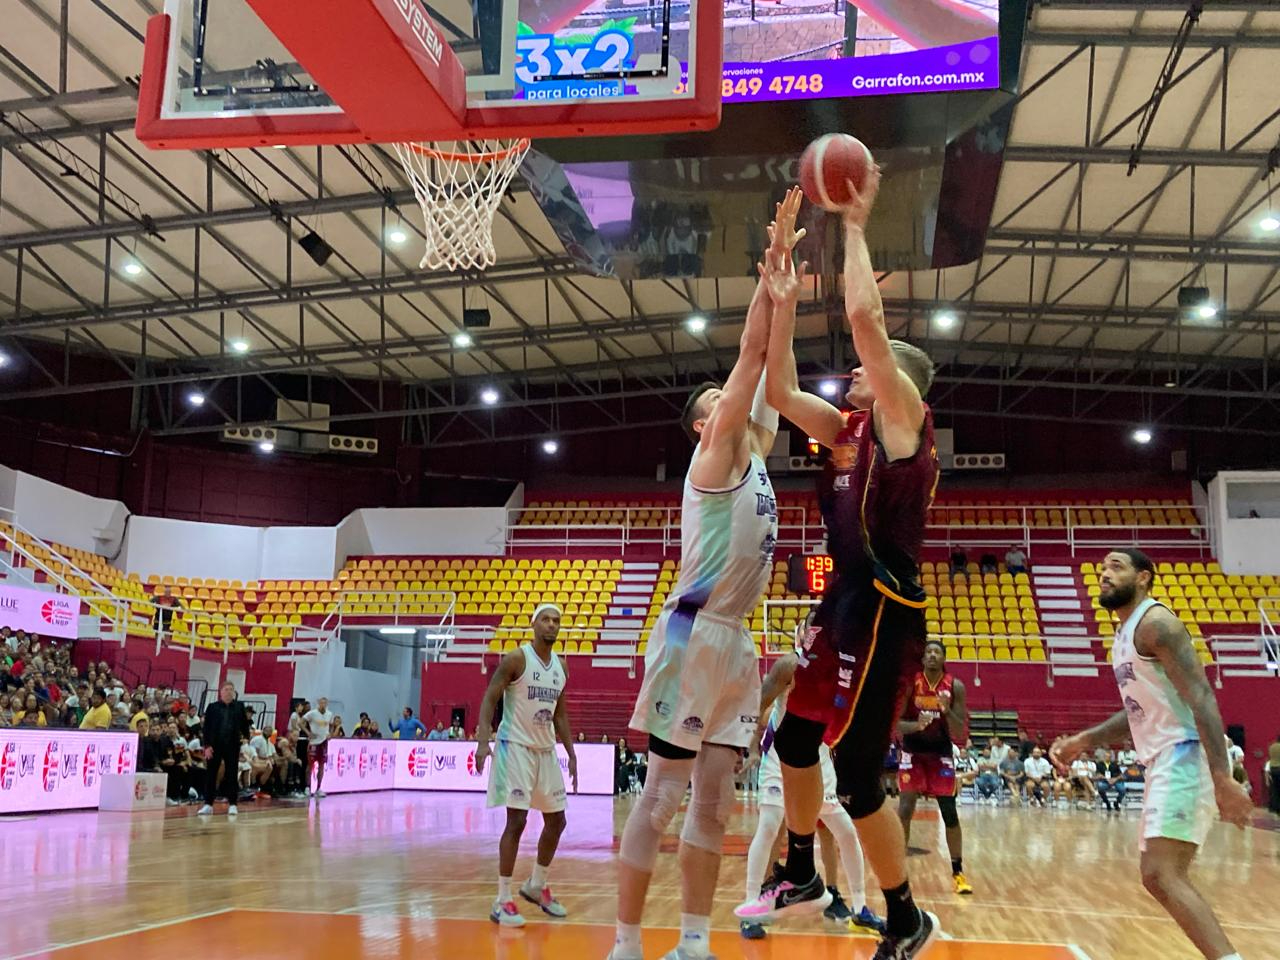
701	693
869	630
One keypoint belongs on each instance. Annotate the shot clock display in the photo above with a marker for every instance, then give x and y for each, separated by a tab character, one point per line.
808	573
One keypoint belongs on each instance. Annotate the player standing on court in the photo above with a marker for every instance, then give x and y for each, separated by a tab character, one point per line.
700	699
869	630
1170	711
933	720
526	771
839	828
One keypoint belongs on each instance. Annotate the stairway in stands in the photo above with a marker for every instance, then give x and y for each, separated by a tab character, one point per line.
1065	620
624	626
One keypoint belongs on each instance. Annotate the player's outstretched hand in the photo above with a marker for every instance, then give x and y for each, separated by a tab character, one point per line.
482	754
783	235
1234	803
858	210
573	772
1065	750
780	278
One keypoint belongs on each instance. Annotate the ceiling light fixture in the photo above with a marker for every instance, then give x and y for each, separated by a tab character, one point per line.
696	324
1142	435
266	446
195	398
551	447
489	396
828	388
945	319
133	268
462	340
240	345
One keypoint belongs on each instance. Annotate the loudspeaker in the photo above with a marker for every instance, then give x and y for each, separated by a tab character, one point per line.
316	248
477	318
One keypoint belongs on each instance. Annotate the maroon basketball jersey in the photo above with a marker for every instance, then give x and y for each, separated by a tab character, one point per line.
925	700
875	509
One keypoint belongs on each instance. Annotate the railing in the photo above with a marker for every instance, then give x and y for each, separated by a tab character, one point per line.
1016	525
631	530
1268	637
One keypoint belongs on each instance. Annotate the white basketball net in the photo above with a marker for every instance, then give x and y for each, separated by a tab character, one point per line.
459	184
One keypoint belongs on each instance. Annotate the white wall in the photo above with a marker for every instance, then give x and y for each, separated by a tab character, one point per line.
477	531
189	548
54	512
1243	545
350	691
299	553
8	486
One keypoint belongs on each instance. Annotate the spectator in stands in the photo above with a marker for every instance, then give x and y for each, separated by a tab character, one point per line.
31	715
172	761
966	768
1015	561
988	781
119	711
456	731
1109	779
624	767
408	727
1128	756
338	730
439	733
77	705
244	769
193	720
1039	777
375	733
1083	771
148	748
139	713
1013	774
959	561
98	716
263	766
1235	753
581	737
604	738
1025	745
291	766
999	750
987	563
361	732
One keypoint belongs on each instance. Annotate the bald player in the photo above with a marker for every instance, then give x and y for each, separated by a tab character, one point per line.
526	771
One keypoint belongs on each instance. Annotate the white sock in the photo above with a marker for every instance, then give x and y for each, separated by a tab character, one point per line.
1234	956
627	941
504	889
761	848
695	935
539	878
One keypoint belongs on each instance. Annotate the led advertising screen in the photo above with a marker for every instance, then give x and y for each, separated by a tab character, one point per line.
59	769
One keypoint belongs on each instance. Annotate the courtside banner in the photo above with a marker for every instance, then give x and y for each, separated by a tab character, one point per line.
59	769
355	766
451	765
36	611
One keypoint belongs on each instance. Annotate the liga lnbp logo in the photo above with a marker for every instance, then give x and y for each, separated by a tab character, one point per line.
124	759
91	765
8	765
363	763
471	765
385	760
49	767
419	762
58	612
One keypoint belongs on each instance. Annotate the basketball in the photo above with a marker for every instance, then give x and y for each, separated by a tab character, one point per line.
829	164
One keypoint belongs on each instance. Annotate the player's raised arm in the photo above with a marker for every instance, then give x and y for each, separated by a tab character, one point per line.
899	406
812	414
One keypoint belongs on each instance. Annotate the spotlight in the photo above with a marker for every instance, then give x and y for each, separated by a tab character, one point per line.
1142	435
551	447
316	248
1206	311
195	398
828	388
4	359
397	631
462	340
489	396
133	268
397	235
279	146
1269	223
696	324
240	345
266	446
945	319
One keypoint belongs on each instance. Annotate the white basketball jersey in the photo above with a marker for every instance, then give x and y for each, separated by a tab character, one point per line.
1158	716
529	704
726	543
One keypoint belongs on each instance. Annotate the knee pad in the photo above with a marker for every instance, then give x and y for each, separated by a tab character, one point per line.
947	807
664	789
797	740
713	798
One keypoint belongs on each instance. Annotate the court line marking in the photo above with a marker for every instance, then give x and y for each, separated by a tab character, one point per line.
54	948
1076	952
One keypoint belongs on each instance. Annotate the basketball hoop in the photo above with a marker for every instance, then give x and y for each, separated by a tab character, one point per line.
459	184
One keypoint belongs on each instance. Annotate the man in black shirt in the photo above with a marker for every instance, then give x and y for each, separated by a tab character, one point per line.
225	724
1110	779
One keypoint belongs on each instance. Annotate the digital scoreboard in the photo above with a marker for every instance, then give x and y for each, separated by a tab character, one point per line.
809	573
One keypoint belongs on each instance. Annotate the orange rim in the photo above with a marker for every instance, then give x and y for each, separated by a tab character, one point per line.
519	145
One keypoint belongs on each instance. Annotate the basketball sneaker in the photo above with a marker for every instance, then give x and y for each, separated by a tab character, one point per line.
962	885
679	953
751	930
786	899
908	948
204	811
543	900
864	919
838	910
506	914
232	811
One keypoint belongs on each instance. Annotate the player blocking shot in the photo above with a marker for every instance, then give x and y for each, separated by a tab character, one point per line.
1172	715
933	720
836	828
526	771
869	630
700	698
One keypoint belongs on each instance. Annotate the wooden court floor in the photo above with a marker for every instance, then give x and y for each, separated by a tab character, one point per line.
412	875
